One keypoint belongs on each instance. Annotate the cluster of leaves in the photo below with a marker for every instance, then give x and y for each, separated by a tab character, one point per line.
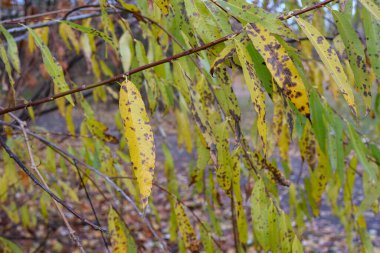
316	93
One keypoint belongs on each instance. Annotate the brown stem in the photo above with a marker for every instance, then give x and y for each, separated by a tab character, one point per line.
150	65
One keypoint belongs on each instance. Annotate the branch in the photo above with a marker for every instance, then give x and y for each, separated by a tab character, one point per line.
38	183
150	65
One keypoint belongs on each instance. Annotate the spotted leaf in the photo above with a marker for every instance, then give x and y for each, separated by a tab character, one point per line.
186	230
330	59
140	138
121	240
163	5
280	65
372	7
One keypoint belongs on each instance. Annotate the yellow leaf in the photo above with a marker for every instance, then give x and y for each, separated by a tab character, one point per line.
281	66
186	230
330	59
139	136
163	5
120	238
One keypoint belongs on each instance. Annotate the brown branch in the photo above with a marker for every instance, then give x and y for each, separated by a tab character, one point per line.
150	65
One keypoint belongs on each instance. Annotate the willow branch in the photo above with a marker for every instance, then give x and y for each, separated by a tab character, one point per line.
119	77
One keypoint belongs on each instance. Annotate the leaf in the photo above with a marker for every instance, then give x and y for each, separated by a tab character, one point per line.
297	246
184	130
330	59
121	240
255	90
259	211
68	36
53	68
223	173
128	6
98	129
91	31
140	138
281	66
361	151
163	5
7	246
356	56
8	69
186	230
12	49
226	53
248	13
372	7
372	36
126	50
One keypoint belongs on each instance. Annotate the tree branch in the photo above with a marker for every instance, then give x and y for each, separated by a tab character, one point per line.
151	65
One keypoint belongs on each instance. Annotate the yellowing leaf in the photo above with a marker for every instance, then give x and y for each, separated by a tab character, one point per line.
12	49
121	240
281	66
186	230
139	136
330	59
68	36
98	129
163	5
255	89
372	7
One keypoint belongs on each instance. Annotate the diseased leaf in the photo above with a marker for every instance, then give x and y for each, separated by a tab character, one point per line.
356	56
139	136
259	211
186	230
372	36
53	68
121	240
372	7
163	5
330	59
281	66
255	89
91	31
248	13
98	129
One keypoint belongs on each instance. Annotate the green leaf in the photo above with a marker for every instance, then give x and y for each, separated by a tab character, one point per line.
372	7
361	150
372	36
255	89
126	50
329	57
53	68
259	211
7	246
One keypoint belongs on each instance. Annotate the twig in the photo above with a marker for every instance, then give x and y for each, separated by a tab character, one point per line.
150	65
34	167
38	183
97	172
92	206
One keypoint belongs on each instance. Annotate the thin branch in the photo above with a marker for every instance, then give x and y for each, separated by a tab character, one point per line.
150	65
34	167
38	183
97	172
92	206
